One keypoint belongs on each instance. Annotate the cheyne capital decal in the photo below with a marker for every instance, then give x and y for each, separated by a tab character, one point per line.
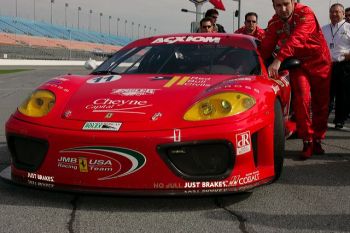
102	162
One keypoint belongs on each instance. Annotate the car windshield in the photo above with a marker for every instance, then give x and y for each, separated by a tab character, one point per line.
182	59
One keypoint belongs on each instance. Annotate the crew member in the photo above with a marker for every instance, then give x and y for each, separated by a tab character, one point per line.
294	32
251	26
214	14
206	25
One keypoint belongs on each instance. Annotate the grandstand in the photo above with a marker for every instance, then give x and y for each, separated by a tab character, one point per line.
26	39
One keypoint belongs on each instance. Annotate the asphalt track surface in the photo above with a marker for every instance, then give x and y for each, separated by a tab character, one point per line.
311	196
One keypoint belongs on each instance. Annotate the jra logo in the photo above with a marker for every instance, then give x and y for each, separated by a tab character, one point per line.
243	142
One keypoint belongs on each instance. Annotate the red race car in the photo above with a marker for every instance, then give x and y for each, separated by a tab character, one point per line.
170	114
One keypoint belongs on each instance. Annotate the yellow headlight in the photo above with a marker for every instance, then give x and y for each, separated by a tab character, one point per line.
38	104
220	105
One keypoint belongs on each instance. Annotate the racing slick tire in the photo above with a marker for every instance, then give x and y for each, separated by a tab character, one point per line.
278	140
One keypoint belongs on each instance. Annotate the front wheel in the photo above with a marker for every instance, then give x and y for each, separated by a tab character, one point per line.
279	140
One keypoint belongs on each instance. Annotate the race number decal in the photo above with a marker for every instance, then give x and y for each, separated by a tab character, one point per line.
104	79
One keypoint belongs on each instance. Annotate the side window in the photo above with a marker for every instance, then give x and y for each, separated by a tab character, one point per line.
243	62
132	63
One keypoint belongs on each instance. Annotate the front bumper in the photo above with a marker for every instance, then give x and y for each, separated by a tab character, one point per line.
74	159
6	175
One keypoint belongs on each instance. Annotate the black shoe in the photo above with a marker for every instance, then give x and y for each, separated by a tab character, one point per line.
317	149
307	150
339	125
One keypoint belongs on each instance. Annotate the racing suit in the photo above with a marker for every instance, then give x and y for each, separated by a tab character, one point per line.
301	37
258	33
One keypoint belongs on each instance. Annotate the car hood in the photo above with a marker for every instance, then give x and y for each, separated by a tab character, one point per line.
130	98
135	98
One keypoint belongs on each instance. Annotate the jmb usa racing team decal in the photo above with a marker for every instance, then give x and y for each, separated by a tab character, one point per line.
102	162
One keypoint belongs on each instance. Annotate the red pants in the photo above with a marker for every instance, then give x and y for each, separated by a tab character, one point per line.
311	120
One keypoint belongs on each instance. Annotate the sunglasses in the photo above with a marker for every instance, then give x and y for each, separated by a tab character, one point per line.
250	21
206	26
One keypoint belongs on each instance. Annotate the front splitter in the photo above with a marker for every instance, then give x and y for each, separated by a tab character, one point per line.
6	175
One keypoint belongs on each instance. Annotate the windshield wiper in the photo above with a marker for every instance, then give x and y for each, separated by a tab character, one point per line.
104	72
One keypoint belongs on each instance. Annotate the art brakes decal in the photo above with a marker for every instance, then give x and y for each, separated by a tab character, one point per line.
102	161
104	79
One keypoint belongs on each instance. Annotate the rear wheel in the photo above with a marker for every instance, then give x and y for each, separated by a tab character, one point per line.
279	140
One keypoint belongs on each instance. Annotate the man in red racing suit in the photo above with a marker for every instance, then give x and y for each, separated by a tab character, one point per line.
294	32
251	26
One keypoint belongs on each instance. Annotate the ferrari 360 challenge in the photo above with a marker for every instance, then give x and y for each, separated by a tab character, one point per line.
169	114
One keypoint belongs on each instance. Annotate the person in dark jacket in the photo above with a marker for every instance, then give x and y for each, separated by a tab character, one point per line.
214	14
206	25
347	14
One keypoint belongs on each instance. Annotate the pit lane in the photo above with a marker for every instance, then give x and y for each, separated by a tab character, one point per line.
311	196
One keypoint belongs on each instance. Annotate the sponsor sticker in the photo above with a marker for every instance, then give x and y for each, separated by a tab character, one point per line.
160	185
40	177
207	184
133	92
188	81
61	79
40	184
243	142
241	79
177	135
196	39
243	180
102	126
104	79
118	105
56	84
101	162
83	164
235	181
109	115
156	116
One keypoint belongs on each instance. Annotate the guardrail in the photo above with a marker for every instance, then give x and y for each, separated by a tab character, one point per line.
18	62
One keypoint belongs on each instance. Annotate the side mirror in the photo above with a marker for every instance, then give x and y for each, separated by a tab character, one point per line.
290	63
90	64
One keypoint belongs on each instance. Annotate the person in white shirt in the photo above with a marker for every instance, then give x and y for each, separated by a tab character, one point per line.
347	14
337	34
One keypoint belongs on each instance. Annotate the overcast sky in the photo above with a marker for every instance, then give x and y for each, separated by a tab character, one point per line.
159	16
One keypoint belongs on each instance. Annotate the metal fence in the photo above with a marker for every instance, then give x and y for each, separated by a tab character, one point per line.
28	52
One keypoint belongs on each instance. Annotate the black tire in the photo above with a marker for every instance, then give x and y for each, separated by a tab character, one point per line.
278	140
